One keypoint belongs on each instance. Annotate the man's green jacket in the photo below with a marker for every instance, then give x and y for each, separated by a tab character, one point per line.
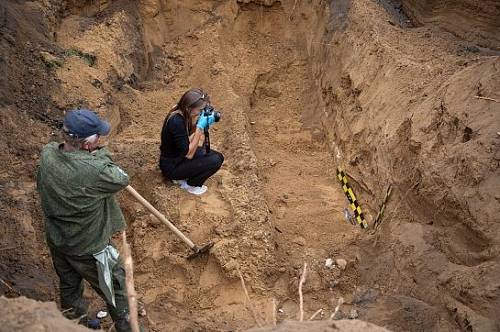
77	193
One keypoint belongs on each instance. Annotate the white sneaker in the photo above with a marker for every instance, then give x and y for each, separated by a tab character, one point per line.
195	190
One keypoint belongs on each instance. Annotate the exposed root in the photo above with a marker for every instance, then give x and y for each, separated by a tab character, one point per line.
301	297
488	98
129	280
337	308
248	301
320	310
9	286
274	312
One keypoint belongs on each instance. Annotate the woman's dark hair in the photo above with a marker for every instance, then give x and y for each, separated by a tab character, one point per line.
190	99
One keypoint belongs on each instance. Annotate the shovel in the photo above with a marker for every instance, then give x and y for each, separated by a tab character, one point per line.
197	251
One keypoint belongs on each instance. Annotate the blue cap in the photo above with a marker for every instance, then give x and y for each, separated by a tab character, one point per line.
94	324
84	123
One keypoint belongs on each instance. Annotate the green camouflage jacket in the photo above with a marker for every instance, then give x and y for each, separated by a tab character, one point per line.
77	194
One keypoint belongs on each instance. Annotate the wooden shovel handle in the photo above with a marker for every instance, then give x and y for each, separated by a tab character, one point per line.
160	216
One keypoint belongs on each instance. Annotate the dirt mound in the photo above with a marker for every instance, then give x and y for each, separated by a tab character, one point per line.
379	88
324	326
22	314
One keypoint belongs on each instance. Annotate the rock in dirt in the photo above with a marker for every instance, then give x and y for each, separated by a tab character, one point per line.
101	314
353	314
96	83
300	241
338	315
364	295
341	263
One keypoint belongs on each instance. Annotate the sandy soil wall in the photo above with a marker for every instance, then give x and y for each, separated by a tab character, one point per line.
402	106
28	116
474	21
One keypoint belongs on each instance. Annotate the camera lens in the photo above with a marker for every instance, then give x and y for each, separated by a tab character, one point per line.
217	116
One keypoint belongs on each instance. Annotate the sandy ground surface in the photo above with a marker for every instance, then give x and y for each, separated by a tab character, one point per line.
304	87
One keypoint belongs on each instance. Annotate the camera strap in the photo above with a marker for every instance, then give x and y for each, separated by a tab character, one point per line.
207	140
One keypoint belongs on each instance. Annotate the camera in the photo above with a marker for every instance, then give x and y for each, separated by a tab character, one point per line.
208	110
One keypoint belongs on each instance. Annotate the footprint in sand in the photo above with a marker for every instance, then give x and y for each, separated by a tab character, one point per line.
210	202
213	203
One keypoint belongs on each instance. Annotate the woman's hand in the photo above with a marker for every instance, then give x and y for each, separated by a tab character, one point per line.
202	138
195	141
211	119
205	121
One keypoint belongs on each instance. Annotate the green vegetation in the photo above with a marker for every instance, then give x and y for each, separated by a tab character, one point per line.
90	59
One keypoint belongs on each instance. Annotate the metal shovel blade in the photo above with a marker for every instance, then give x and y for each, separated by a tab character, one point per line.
199	251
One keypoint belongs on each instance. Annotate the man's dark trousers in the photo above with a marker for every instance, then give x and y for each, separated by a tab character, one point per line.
197	170
72	270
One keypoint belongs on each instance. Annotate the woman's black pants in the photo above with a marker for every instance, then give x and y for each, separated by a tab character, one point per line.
197	170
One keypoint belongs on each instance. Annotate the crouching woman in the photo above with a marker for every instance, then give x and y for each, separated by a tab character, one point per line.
181	159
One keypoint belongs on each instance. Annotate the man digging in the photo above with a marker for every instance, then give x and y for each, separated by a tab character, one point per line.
77	181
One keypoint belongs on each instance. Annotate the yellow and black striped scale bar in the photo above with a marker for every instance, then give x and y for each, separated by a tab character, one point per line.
360	218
